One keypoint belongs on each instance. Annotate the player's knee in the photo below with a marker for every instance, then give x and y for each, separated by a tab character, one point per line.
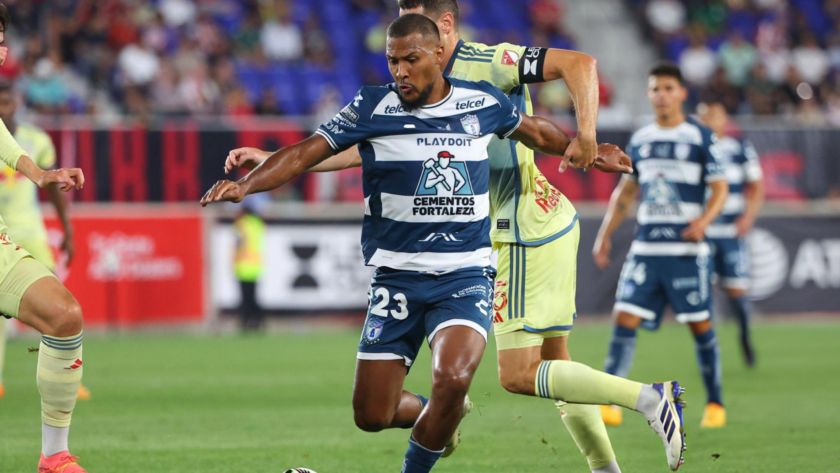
452	381
735	293
372	421
516	383
68	320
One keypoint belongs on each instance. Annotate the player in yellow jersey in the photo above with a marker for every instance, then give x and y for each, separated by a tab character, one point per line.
535	232
30	293
19	203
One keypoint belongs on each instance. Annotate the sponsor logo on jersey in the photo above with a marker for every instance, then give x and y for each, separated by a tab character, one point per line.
441	236
437	141
531	61
470	104
546	195
477	289
349	114
503	224
661	198
357	100
444	188
510	58
663	232
471	125
394	109
685	283
682	151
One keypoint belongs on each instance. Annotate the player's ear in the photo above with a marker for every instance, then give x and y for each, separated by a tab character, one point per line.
439	54
446	24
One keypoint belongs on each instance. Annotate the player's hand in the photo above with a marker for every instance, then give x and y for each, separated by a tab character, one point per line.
246	158
744	225
601	252
67	246
613	160
4	51
224	191
581	153
696	230
65	178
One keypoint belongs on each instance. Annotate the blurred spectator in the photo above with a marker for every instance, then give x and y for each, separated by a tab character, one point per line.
236	104
738	58
316	43
546	16
267	104
45	92
834	51
138	65
698	62
281	39
721	90
666	16
178	13
810	61
166	95
760	92
201	95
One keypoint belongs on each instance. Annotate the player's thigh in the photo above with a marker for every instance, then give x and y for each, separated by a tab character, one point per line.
640	292
456	353
535	287
41	251
47	306
734	263
377	389
688	285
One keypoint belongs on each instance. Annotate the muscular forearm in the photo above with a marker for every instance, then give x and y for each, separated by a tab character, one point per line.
580	72
29	169
620	202
286	164
542	135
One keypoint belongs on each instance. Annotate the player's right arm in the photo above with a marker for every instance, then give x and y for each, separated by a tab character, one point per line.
16	158
249	158
620	202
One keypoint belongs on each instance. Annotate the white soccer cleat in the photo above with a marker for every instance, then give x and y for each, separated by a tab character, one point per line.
667	422
456	437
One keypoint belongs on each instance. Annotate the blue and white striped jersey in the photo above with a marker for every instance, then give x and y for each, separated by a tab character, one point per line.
672	166
425	173
740	160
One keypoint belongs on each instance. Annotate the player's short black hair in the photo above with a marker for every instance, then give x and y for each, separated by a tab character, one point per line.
5	19
413	23
667	69
433	8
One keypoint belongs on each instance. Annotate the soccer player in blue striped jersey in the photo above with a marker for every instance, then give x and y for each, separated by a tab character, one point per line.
675	160
730	256
423	142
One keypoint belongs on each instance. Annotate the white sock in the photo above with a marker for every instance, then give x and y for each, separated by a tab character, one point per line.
611	468
649	398
54	439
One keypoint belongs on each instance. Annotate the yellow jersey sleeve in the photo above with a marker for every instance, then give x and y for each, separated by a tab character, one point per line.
505	66
10	150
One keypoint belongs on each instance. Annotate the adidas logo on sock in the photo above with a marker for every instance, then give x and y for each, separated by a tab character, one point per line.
76	365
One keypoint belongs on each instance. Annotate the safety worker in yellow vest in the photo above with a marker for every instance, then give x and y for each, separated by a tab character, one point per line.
248	265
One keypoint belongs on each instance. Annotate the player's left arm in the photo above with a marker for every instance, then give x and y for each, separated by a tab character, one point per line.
580	72
753	190
46	159
16	158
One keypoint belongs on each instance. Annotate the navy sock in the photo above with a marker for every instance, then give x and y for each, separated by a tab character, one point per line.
419	459
622	349
423	400
708	356
741	310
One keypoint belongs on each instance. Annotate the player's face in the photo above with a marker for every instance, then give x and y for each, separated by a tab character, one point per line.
8	106
666	94
415	66
714	116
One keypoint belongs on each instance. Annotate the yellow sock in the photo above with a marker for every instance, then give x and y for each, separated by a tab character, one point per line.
577	383
587	428
59	377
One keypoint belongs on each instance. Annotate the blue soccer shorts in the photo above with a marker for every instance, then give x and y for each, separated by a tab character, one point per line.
408	307
731	262
649	283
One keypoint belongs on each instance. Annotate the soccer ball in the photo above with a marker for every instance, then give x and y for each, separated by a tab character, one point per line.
300	470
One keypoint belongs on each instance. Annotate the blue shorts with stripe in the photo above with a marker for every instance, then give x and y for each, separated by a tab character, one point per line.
649	283
407	307
730	260
535	286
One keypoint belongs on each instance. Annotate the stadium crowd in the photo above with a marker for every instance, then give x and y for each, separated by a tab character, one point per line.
229	57
761	57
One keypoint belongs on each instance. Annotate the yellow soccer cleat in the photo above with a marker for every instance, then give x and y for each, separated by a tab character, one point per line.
612	415
84	394
714	417
456	437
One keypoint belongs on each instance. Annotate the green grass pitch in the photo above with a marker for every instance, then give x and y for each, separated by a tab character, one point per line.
259	404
